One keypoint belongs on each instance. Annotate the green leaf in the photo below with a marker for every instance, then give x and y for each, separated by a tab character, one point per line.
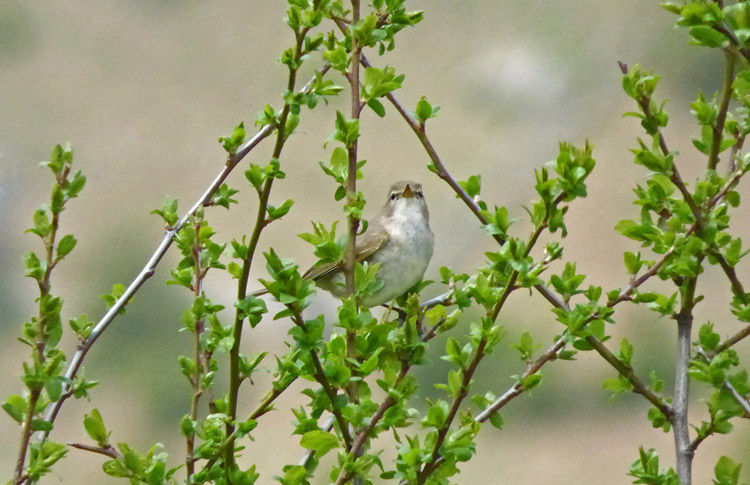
279	212
65	246
168	211
530	382
497	420
425	110
95	428
707	36
320	441
727	471
377	107
40	425
232	142
15	406
708	338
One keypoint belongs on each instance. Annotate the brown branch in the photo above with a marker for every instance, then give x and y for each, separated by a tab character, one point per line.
735	150
737	288
40	347
320	376
351	192
733	40
742	334
260	223
201	358
726	95
738	173
26	433
517	389
108	451
362	435
627	371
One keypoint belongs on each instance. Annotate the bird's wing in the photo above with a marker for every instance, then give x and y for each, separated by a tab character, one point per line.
367	244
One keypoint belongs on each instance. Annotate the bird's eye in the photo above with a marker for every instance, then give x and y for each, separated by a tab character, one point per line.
419	194
393	196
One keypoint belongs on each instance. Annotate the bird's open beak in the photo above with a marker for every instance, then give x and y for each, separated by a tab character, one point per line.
407	194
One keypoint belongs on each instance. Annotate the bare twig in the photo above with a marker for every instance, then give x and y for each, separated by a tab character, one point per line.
109	451
731	341
741	400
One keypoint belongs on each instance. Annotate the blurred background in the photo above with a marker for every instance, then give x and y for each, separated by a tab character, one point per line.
144	89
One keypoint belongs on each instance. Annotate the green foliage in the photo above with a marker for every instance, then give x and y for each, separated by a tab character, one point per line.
232	142
682	228
646	470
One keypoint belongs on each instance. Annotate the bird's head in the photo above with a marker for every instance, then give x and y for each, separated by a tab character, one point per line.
406	197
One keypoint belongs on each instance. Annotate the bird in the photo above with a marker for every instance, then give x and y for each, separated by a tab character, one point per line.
399	238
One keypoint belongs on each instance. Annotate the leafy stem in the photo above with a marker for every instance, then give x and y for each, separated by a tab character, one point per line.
480	352
260	223
320	376
351	191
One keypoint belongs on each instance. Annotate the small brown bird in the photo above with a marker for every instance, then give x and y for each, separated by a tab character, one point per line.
399	238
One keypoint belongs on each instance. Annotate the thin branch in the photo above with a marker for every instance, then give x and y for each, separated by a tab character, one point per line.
322	379
735	150
738	173
737	288
320	376
109	451
40	340
739	398
26	433
351	194
726	95
202	358
645	104
363	434
639	387
261	222
733	40
517	389
731	341
479	353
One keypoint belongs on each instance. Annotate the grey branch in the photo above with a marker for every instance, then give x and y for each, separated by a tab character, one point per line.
739	398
